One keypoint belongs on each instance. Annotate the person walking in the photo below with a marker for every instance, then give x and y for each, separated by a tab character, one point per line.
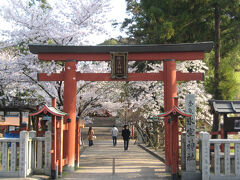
90	136
126	136
114	132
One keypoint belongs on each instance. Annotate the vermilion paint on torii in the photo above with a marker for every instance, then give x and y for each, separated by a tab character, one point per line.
169	53
174	146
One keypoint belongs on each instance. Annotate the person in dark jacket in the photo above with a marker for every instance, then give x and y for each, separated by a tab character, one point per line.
126	136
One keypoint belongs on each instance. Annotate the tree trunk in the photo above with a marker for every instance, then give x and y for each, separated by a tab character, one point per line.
215	126
217	47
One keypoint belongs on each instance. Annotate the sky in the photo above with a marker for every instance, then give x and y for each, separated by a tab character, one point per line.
117	13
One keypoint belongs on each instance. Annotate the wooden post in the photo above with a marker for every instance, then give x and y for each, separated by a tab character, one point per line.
21	119
54	173
37	125
222	134
77	148
69	106
170	91
60	135
175	147
166	124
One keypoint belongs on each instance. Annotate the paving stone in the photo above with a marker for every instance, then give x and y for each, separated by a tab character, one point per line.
96	163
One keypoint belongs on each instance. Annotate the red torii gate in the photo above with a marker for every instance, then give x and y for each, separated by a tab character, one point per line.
169	53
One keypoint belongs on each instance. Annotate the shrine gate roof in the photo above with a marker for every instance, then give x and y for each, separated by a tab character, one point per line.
147	48
46	109
175	111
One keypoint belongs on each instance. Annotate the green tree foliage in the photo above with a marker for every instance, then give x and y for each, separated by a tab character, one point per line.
111	41
228	74
44	4
179	21
175	21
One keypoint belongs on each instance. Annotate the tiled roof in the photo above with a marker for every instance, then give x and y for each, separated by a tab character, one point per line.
200	46
175	111
51	110
221	106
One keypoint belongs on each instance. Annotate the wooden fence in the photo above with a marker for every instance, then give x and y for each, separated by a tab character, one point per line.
23	156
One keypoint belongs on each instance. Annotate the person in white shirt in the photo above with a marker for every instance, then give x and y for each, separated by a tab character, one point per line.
114	132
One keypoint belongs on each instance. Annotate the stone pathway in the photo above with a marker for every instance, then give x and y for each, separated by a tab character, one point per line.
103	162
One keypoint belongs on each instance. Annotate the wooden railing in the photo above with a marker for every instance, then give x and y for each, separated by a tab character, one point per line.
23	156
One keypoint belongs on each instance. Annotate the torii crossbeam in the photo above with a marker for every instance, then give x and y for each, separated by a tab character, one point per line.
169	53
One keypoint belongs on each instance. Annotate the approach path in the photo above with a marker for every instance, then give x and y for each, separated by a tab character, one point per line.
97	162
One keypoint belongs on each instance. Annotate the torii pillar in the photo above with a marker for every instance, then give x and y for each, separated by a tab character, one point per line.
69	106
170	91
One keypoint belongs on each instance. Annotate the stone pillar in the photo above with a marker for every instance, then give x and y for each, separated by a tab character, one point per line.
5	158
47	150
205	155
183	151
237	159
217	164
190	127
24	136
32	134
13	156
227	159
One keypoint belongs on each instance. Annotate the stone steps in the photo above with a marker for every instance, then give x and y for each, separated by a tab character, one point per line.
102	133
104	122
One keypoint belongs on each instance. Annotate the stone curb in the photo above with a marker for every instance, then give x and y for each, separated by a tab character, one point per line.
152	152
82	149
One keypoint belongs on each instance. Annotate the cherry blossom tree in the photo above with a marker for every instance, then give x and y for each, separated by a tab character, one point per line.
66	22
148	97
59	22
69	22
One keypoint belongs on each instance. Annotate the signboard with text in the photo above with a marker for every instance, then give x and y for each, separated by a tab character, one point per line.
119	65
190	127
